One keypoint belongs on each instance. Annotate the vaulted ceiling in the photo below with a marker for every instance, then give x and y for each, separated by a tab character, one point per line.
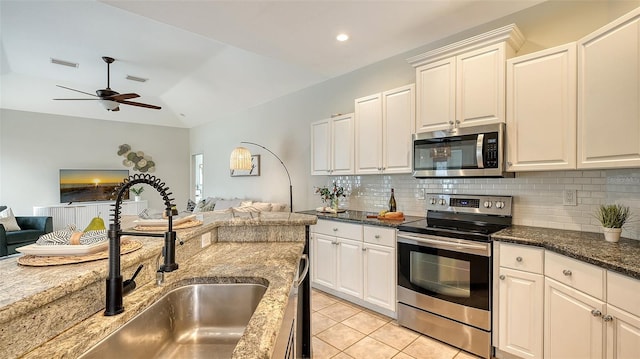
207	59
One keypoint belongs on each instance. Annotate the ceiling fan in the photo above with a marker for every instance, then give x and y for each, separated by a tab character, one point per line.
110	99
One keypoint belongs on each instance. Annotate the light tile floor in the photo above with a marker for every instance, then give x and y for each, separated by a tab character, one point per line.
343	330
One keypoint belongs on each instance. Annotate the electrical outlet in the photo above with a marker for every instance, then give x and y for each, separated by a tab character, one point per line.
569	197
421	193
206	239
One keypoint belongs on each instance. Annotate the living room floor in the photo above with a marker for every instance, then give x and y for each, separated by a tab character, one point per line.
343	330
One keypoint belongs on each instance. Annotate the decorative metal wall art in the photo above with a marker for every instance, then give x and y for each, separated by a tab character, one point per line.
138	160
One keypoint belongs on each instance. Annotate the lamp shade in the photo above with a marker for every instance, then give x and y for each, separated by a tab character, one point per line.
240	159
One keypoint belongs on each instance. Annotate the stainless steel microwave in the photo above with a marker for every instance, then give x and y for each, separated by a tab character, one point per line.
476	151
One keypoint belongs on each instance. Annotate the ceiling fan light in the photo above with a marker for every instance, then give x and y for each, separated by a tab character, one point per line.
109	105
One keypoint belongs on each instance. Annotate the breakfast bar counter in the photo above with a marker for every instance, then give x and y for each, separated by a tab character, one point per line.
56	311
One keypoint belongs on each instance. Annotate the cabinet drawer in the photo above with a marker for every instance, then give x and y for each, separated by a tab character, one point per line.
622	292
579	275
525	258
339	229
380	235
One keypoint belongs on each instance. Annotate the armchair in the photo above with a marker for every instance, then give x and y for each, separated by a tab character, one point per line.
32	227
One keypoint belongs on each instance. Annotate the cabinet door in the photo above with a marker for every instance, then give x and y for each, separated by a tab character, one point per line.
368	120
320	147
480	86
398	108
380	276
435	95
84	215
323	260
541	110
572	327
342	148
520	313
350	267
609	94
623	334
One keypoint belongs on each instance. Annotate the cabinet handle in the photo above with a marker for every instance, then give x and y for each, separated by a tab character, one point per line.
334	243
607	318
451	122
502	277
566	272
364	249
377	236
519	259
596	313
457	122
509	164
335	229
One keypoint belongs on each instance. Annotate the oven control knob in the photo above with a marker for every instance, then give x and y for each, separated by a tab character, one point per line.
499	204
488	204
442	202
432	200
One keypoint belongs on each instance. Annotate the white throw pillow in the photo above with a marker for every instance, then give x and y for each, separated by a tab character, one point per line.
279	207
8	220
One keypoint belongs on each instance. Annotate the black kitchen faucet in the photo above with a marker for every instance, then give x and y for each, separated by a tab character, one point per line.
116	288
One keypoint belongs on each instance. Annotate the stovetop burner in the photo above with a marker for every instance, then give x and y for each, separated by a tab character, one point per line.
473	217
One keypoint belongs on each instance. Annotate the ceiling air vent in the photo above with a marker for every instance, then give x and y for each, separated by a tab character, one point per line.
64	63
135	78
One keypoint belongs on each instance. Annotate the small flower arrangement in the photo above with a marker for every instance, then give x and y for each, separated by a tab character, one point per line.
137	191
330	195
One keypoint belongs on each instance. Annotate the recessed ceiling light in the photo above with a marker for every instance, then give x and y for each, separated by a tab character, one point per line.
342	37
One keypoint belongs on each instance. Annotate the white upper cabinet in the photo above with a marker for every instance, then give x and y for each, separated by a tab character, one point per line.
398	116
332	146
609	95
368	119
541	110
463	84
383	125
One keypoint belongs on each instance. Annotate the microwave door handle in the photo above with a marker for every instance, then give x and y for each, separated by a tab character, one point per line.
479	143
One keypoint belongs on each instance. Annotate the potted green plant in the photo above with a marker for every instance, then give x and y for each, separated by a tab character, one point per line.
612	217
137	192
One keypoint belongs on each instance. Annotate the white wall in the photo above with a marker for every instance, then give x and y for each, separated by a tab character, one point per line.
35	146
283	125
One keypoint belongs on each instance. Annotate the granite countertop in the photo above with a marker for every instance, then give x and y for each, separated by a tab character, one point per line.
622	257
66	302
360	217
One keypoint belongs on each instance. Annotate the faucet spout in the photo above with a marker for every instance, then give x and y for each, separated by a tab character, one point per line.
114	286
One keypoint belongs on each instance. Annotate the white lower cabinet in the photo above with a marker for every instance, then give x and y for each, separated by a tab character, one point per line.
323	260
349	279
520	313
573	323
360	266
587	311
379	276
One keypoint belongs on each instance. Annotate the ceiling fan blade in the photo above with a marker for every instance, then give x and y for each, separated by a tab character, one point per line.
76	99
122	96
140	104
69	88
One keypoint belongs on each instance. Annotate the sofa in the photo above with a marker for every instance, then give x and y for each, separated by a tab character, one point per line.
31	228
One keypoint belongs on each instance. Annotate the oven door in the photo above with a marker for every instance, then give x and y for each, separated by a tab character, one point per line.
446	276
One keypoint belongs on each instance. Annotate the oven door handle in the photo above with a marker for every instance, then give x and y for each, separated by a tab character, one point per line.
454	246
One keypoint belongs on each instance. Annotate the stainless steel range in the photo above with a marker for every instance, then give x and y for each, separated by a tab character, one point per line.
445	269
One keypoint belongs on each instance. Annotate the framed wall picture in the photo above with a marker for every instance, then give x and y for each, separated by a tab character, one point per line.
254	171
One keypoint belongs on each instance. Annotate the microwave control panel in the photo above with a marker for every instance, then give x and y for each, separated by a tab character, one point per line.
490	149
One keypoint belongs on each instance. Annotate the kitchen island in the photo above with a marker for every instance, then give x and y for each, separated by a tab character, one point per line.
56	311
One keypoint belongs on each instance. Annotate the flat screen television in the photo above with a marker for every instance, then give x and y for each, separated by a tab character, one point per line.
90	185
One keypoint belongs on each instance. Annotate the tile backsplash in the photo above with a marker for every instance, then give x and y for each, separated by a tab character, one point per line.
537	196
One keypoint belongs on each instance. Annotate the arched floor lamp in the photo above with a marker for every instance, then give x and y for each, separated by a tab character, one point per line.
241	160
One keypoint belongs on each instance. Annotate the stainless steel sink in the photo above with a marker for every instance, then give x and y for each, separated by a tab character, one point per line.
194	321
